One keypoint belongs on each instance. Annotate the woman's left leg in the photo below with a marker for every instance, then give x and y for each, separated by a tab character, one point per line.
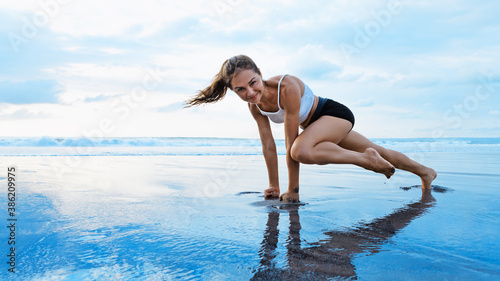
357	142
319	144
330	140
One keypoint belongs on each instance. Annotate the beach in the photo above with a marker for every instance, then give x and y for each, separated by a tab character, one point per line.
193	209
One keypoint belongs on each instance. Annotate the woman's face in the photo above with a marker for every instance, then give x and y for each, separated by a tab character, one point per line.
248	85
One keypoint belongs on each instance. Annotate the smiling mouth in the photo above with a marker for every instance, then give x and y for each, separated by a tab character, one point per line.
252	98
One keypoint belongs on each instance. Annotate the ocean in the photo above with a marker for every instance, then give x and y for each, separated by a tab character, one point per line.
50	146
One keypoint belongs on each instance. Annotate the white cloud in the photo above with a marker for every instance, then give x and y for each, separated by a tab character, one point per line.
100	71
364	102
22	113
112	18
113	51
314	62
30	5
98	51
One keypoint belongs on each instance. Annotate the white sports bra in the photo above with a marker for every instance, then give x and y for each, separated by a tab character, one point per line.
306	103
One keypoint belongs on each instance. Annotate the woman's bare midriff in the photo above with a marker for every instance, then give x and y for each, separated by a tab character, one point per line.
311	113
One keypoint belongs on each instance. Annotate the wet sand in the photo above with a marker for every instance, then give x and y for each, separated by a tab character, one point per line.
205	218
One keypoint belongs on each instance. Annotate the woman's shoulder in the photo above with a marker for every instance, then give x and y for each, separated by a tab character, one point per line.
292	83
286	79
274	79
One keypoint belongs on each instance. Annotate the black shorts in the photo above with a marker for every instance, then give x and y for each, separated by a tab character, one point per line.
330	107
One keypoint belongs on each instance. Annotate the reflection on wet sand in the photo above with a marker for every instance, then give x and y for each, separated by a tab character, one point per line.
331	257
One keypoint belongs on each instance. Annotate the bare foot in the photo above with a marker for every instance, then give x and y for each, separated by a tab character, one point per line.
427	196
427	177
289	197
272	192
379	164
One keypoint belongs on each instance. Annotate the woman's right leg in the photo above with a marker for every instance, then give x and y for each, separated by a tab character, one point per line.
357	142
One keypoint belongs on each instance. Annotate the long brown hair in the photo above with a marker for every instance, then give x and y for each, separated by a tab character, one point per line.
222	81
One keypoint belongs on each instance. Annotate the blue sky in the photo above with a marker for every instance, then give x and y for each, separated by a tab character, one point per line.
122	68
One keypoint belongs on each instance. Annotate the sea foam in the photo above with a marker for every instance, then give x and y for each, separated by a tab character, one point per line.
140	146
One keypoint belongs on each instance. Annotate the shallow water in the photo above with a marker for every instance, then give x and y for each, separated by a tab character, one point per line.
204	218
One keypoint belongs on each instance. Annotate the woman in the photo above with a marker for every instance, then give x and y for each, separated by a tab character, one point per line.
327	137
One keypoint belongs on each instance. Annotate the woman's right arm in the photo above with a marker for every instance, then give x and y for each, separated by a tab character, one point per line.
269	151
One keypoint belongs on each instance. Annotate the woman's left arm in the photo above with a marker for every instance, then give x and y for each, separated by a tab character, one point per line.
290	97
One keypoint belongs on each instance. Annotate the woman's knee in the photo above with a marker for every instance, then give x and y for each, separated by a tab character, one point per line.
301	152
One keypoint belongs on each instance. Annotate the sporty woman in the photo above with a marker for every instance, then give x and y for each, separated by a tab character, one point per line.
327	136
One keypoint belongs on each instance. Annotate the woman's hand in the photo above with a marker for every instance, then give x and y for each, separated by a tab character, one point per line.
290	197
272	192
